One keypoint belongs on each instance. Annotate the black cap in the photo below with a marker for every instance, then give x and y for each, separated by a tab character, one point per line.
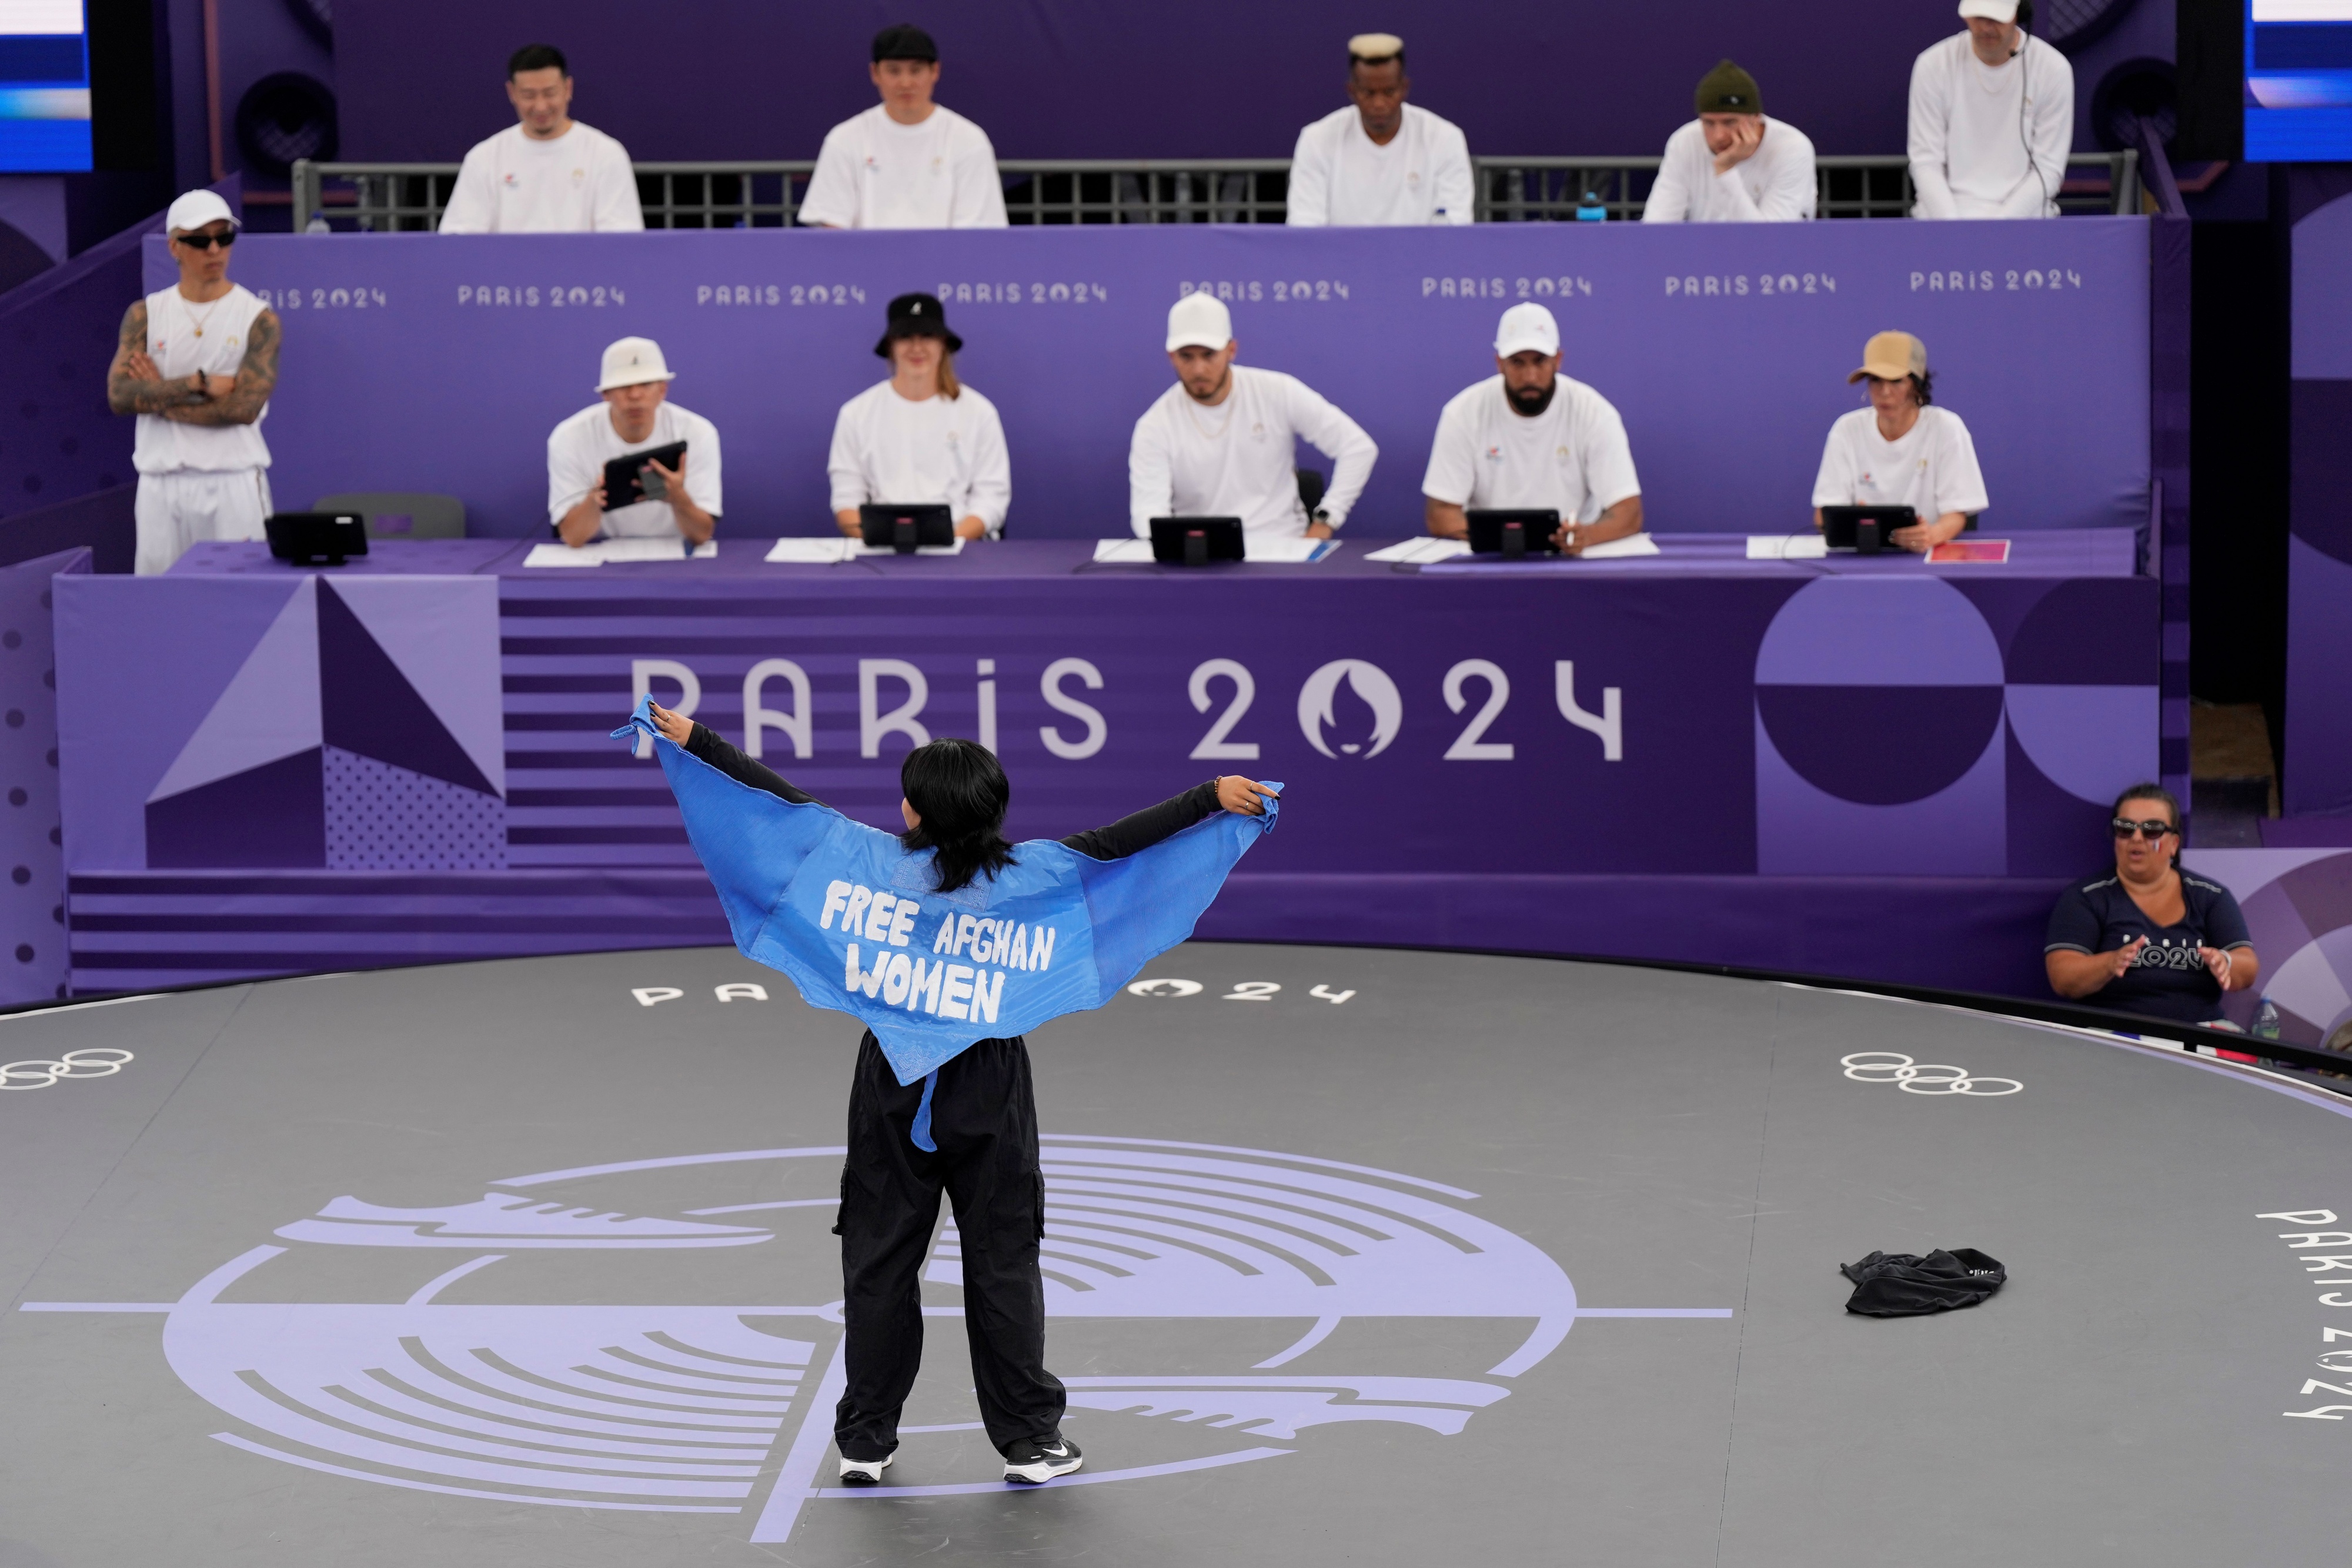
917	315
905	42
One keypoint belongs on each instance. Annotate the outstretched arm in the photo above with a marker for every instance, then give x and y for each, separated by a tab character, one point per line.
133	384
702	741
1147	827
256	378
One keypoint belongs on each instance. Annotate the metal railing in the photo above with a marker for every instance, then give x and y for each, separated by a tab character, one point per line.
391	198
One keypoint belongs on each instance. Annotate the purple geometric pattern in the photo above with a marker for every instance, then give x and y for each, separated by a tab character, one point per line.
32	897
268	816
2299	905
384	817
371	708
445	645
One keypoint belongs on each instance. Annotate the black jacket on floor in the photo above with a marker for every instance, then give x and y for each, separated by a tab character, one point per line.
1905	1285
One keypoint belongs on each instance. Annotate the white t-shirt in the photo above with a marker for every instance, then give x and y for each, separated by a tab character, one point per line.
165	445
1972	124
1239	459
875	174
1932	470
1573	458
578	183
1774	184
1340	176
939	452
579	448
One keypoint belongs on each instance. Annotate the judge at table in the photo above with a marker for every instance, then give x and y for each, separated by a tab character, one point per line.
1223	441
1901	451
922	438
1530	437
636	414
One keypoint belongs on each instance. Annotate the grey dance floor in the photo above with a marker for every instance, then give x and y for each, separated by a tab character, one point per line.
1416	1258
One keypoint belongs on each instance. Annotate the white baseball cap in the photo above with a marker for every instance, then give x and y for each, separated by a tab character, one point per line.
194	209
2002	11
1199	321
632	362
1524	326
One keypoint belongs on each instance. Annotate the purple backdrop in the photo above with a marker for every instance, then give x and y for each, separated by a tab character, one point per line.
2319	764
32	901
1218	79
273	770
424	363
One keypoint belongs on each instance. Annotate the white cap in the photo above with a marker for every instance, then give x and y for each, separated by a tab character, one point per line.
1524	326
1375	47
1199	321
631	362
2002	11
193	210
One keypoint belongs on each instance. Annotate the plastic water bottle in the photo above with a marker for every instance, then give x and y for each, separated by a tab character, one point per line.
2266	1021
1589	209
317	226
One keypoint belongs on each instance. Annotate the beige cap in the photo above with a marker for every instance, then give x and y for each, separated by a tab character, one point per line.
2002	11
632	362
1199	321
1891	356
1375	47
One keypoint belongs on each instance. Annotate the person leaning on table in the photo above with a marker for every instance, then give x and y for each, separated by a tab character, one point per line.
1901	451
636	414
1732	164
1223	441
2147	937
1530	436
922	438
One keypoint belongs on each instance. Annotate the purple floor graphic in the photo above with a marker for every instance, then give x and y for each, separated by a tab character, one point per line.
678	1408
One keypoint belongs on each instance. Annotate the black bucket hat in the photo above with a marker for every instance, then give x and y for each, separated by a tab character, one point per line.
917	315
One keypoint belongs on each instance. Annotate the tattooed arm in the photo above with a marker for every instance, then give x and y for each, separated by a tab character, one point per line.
240	401
133	384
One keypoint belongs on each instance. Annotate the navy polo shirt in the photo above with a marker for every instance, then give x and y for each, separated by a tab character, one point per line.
2169	979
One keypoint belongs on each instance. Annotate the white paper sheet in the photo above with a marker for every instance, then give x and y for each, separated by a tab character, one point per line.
810	551
1421	551
1621	549
606	551
1786	547
1123	552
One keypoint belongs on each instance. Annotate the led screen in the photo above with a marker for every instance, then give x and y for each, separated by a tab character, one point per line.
2298	81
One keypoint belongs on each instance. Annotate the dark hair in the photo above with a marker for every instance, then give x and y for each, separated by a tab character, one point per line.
959	790
2151	792
1924	384
1396	60
905	41
536	58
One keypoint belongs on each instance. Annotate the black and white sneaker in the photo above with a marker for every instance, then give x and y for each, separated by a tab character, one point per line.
1034	1463
863	1472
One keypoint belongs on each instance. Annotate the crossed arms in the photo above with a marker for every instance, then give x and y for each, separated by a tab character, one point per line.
133	384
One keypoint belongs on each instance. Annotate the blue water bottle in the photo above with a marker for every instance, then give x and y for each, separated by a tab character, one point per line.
1589	209
2266	1020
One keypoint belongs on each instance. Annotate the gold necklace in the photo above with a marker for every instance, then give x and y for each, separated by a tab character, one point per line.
189	306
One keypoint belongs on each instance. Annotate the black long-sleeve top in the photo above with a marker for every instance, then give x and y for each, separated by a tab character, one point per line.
1125	836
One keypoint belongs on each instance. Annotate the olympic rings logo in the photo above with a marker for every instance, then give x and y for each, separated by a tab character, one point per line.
1914	1077
87	1062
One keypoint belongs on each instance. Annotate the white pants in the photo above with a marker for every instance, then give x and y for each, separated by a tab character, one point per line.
176	510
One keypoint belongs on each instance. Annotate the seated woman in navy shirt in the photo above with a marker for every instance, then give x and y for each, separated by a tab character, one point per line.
2147	937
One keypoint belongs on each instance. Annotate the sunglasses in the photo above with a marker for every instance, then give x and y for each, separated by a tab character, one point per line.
205	241
2150	829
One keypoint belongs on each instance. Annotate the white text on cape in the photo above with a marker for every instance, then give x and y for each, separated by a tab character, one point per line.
935	986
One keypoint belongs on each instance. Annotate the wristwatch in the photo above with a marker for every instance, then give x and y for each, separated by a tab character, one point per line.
1323	518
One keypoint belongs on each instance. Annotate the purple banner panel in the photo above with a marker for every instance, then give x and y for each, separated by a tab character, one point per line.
33	899
2318	762
414	362
1456	745
2299	904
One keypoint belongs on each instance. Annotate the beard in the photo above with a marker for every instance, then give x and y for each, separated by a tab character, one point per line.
1531	401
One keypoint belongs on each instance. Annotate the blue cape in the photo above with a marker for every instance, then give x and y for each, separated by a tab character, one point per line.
851	917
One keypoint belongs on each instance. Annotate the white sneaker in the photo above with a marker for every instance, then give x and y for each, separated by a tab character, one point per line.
1034	1463
864	1472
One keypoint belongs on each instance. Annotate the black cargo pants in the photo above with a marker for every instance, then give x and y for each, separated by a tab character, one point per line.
983	1120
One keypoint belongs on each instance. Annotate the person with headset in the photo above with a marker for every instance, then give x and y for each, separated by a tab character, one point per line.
1992	119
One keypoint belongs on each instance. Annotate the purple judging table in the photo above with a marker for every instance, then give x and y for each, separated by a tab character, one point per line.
1871	767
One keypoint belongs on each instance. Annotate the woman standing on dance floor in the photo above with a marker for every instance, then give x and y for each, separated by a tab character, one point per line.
969	1126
